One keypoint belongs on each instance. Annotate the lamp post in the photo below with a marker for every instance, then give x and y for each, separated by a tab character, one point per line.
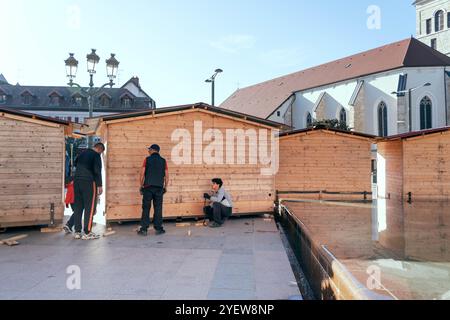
112	67
409	92
212	81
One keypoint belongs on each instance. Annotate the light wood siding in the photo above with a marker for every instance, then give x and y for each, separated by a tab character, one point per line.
31	172
427	167
324	160
127	144
392	152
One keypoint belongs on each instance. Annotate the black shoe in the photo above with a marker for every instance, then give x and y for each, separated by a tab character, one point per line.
160	231
142	232
215	225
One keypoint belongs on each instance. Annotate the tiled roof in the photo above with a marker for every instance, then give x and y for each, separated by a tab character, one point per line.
263	99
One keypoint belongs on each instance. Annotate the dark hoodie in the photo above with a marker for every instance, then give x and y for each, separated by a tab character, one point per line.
89	167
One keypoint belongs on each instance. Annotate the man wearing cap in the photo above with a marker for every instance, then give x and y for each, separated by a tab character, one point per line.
154	180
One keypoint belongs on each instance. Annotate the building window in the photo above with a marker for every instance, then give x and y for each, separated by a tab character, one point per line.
448	19
26	99
126	102
77	120
343	116
426	107
278	113
105	101
77	101
69	119
308	120
382	120
3	98
429	30
54	101
439	21
434	44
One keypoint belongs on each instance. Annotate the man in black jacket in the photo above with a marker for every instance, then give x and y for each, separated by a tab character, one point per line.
153	180
87	187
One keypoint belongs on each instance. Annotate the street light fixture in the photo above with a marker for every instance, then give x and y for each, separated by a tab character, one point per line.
212	80
112	67
409	92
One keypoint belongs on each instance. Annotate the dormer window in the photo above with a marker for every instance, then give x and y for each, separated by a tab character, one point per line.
77	100
105	100
3	97
55	99
27	98
126	102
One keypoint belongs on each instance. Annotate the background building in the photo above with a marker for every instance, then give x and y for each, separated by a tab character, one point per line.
433	23
68	103
358	90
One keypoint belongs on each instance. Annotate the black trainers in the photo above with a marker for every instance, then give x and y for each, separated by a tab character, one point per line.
159	231
142	232
67	229
214	225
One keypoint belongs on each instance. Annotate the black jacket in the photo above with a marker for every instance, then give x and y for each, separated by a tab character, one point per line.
89	167
155	171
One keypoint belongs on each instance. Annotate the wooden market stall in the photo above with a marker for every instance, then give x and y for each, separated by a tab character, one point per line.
32	158
195	141
325	164
415	166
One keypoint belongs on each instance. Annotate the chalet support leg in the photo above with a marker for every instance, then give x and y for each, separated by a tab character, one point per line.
52	214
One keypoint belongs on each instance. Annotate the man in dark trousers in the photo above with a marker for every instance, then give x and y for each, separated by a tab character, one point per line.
87	187
221	204
154	180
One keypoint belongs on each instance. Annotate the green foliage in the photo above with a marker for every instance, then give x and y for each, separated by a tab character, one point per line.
330	124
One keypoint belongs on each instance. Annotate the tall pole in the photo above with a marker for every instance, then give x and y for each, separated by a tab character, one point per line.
410	109
212	92
91	106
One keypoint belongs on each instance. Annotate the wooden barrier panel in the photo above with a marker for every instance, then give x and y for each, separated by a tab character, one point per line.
31	172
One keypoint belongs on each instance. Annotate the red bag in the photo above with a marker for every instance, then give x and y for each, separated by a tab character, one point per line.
70	195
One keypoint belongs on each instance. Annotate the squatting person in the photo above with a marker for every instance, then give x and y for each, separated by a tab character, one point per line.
154	180
221	205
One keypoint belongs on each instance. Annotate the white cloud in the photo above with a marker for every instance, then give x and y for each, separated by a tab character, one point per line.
234	43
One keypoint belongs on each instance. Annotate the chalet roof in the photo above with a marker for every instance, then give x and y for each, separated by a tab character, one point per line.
200	105
323	129
32	116
262	99
414	134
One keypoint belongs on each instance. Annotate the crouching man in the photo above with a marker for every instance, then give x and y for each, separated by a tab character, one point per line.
221	204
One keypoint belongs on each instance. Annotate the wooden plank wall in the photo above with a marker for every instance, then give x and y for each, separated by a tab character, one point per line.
322	160
127	148
31	172
392	152
427	167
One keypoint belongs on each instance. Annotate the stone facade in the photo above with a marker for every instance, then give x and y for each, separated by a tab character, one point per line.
360	111
402	115
425	10
321	109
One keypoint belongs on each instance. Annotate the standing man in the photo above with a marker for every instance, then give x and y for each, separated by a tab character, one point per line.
154	180
87	186
221	206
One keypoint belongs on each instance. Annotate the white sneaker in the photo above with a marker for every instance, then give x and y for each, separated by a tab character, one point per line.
77	235
90	236
67	230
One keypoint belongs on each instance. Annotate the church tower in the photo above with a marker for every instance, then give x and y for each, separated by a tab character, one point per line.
433	23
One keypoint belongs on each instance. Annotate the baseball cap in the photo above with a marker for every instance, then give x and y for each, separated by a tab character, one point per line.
154	147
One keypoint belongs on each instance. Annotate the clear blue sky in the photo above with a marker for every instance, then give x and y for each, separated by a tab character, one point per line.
173	46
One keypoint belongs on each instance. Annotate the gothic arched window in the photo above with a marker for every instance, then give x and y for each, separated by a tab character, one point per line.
426	108
343	116
439	21
382	120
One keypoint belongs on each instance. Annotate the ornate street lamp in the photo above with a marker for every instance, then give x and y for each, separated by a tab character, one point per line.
92	59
